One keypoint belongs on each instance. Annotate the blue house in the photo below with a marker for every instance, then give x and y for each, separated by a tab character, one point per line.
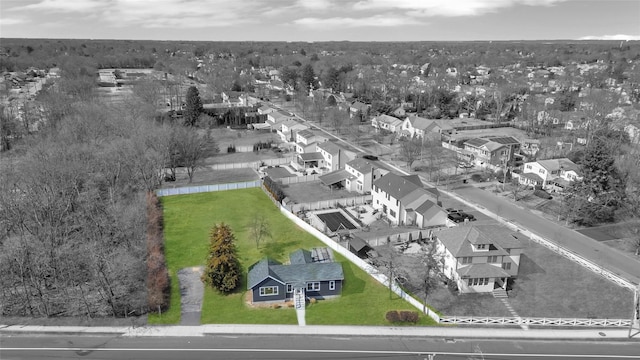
312	274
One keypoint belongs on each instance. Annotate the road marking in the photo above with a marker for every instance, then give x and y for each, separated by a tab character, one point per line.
328	351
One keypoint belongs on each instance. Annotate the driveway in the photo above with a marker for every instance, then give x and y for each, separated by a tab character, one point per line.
609	258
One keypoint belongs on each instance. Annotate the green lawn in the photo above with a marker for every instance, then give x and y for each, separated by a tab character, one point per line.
188	219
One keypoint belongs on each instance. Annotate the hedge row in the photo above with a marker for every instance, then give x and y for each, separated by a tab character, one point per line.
273	187
158	284
395	316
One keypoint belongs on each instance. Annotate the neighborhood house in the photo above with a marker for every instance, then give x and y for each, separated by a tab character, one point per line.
480	258
551	174
310	274
404	200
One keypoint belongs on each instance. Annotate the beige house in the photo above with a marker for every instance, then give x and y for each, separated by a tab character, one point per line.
480	258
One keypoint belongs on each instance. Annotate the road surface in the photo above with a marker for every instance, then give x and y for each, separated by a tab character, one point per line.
305	347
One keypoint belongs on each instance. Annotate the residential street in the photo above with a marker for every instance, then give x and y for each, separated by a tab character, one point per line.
307	347
609	258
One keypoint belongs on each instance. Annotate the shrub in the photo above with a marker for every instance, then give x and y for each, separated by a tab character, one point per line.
276	306
313	300
409	316
477	178
231	149
392	316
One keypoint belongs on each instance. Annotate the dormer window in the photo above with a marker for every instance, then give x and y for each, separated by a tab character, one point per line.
481	246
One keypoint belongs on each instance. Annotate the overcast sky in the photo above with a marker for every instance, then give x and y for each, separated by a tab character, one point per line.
319	20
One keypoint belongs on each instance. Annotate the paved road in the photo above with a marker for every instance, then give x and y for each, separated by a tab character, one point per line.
605	256
305	347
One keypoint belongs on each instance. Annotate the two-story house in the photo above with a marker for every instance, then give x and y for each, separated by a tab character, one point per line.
386	122
289	129
335	156
275	118
306	141
359	107
480	258
551	174
404	200
494	151
362	175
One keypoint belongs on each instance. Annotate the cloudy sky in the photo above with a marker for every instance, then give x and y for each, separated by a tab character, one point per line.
318	20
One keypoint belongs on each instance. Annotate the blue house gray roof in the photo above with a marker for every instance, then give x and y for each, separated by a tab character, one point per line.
302	269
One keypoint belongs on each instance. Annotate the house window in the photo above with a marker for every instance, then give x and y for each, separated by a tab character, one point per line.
467	260
392	213
397	202
332	285
289	288
313	286
492	259
481	246
506	266
268	290
478	281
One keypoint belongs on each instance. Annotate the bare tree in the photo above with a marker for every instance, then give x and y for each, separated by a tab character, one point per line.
410	150
430	271
516	188
259	228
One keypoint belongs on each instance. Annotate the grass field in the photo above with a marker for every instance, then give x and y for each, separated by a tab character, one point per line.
188	219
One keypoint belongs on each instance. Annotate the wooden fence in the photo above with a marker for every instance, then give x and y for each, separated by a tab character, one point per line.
297	179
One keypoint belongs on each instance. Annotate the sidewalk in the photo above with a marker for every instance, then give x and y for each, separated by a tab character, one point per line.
437	332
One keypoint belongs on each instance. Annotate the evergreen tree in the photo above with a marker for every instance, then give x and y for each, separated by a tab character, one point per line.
193	107
596	197
309	77
223	268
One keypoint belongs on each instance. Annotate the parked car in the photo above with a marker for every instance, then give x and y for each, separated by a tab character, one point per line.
467	216
464	165
455	217
370	157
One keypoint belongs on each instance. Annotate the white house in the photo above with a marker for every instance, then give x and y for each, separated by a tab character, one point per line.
306	141
335	156
386	122
289	129
275	118
404	200
416	126
480	258
551	174
363	174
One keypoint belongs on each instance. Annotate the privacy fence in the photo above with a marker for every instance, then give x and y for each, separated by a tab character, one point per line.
331	203
208	188
252	164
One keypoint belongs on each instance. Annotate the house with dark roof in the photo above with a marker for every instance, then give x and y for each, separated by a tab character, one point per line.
313	273
550	174
493	151
358	107
480	258
404	200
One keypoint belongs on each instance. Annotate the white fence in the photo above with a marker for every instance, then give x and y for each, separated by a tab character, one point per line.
252	164
332	203
297	179
470	320
358	262
207	188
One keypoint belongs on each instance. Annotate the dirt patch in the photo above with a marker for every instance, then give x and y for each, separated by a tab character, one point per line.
206	176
